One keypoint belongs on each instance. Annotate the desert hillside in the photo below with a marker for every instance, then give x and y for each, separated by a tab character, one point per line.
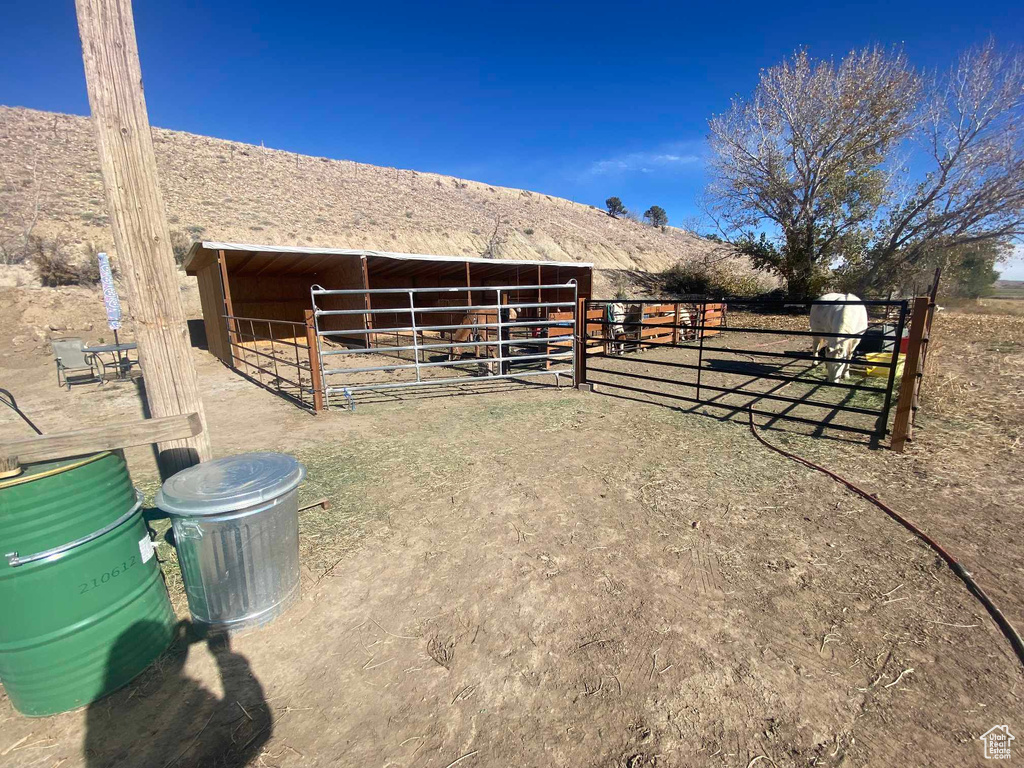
225	190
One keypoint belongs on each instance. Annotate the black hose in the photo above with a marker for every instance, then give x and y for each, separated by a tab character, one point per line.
997	616
8	399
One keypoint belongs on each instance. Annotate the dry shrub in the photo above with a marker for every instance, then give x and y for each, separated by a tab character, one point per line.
57	264
707	278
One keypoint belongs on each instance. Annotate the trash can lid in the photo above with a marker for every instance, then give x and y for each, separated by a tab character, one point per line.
229	484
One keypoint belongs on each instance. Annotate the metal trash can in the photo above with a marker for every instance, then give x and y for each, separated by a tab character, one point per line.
236	529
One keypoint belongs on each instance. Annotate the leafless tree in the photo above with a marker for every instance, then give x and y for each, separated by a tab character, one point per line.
495	241
826	156
972	129
22	211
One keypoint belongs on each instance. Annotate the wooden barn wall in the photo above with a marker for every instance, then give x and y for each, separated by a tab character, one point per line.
417	275
343	273
386	275
282	293
211	298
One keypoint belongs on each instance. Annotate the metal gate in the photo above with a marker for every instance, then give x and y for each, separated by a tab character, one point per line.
693	355
525	332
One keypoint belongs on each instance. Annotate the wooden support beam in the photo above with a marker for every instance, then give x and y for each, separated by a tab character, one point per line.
368	321
113	76
109	437
314	362
581	341
229	308
911	372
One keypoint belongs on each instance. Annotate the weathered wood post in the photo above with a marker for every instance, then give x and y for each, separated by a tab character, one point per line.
582	307
314	362
128	163
229	307
925	346
911	372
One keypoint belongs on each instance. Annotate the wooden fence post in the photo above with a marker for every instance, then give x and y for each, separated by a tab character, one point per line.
932	294
315	372
113	77
911	373
676	323
581	341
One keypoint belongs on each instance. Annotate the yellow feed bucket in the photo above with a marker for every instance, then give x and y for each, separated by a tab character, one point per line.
876	364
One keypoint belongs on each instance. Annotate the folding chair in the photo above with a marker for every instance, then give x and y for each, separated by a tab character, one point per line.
72	361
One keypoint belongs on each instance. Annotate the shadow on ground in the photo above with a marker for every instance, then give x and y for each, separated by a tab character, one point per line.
166	719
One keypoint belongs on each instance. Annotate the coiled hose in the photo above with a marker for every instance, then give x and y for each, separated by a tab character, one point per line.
997	616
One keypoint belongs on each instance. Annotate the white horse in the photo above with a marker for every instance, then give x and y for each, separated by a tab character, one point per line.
828	321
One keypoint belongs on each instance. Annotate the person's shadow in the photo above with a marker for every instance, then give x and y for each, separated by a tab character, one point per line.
165	719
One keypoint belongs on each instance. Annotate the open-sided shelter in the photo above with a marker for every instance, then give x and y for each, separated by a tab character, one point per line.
294	317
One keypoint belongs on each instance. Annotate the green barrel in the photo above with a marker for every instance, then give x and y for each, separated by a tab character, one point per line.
83	606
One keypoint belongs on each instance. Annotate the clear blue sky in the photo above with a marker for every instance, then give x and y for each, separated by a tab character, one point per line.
581	100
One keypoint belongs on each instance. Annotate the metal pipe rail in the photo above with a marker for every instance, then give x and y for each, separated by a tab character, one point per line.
596	347
252	320
743	408
689	343
772	376
786	355
772	331
282	360
319	290
456	380
746	392
449	363
246	356
440	310
458	344
409	329
264	320
759	302
278	377
500	350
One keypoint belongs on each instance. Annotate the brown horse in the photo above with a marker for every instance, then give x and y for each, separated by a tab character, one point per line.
476	336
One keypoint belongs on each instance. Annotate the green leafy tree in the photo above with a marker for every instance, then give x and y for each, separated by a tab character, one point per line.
615	207
656	216
968	272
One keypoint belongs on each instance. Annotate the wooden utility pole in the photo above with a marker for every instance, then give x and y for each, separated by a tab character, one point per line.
114	79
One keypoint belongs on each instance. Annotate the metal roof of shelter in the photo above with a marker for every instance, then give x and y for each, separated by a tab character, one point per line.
201	253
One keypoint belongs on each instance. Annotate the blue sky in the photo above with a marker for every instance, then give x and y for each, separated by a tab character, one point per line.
581	100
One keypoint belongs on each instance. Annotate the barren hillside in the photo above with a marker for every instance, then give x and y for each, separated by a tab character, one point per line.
230	191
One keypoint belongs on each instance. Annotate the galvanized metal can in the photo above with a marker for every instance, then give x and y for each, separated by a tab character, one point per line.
236	530
83	606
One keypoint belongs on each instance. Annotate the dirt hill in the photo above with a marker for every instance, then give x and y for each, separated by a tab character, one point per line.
225	190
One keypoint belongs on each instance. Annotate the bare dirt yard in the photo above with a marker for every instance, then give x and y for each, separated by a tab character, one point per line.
545	577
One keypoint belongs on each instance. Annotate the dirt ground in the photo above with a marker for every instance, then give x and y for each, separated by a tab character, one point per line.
544	577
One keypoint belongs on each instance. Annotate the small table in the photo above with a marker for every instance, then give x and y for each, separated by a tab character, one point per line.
122	363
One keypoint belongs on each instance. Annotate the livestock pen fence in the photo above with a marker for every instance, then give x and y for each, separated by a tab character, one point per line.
734	355
449	334
761	360
276	355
